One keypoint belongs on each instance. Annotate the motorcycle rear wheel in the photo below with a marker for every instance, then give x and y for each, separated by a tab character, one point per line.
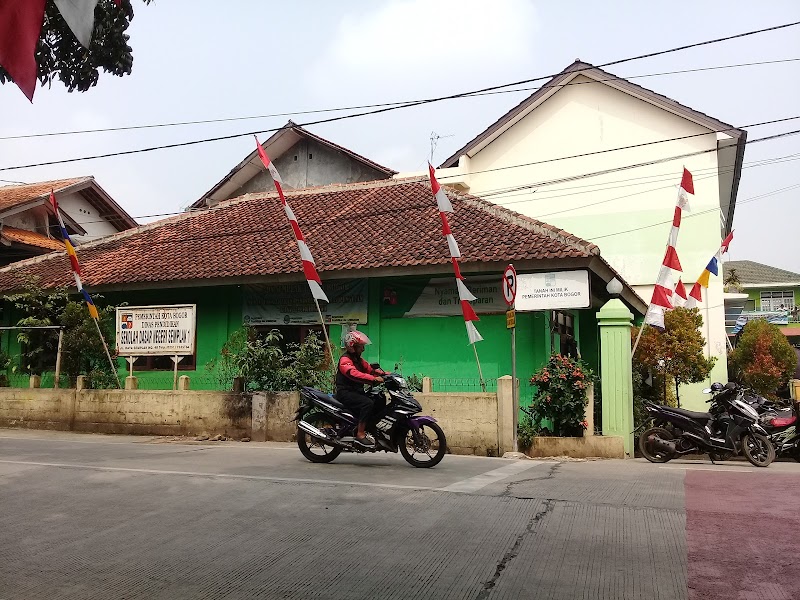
426	452
758	449
313	449
646	448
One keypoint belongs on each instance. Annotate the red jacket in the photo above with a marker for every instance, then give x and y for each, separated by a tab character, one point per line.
354	372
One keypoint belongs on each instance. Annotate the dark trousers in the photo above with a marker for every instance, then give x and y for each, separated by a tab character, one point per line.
358	402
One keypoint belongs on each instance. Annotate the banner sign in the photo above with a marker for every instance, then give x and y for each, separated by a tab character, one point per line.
550	291
776	317
292	304
156	330
440	297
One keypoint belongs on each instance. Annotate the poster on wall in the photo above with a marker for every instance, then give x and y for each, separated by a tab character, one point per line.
292	304
156	330
552	291
440	297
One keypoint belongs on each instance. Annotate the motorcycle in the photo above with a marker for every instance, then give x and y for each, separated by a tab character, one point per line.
781	424
730	427
326	428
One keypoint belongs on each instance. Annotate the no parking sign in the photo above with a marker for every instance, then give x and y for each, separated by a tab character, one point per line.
509	285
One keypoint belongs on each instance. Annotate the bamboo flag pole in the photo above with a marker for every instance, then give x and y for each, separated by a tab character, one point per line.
108	354
638	337
480	372
309	266
76	273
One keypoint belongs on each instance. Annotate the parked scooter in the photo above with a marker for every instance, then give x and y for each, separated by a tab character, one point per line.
781	424
730	427
325	428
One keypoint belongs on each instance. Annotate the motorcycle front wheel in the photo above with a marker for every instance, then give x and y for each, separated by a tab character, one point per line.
758	449
313	449
426	449
646	444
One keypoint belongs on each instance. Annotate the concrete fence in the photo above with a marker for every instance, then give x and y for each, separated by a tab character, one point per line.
474	423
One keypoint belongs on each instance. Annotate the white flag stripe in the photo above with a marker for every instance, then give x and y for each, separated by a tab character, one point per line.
305	253
463	292
472	333
454	251
443	201
274	172
79	16
289	213
691	302
683	200
673	237
655	316
316	291
78	281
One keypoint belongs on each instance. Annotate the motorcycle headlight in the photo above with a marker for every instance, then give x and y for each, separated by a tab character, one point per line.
401	381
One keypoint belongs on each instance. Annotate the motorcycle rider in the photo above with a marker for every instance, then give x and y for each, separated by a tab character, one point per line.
353	373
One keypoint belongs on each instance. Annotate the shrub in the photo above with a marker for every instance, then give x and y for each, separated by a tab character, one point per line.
763	358
560	396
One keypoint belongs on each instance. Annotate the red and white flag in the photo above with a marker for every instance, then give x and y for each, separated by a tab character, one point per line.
79	15
20	27
464	295
663	290
679	296
309	266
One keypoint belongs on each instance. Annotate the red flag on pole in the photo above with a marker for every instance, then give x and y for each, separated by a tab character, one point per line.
20	27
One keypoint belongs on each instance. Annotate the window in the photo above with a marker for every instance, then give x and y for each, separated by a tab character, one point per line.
779	300
562	327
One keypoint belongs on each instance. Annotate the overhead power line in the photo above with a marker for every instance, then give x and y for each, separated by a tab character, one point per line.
382	104
405	105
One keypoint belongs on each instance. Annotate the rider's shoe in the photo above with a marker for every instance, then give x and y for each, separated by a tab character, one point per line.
366	442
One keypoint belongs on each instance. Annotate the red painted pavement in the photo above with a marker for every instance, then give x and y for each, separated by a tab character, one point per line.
743	535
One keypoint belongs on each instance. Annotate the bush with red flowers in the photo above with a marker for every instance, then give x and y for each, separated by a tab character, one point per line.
560	396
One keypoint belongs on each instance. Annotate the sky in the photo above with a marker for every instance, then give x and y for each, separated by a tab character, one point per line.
194	61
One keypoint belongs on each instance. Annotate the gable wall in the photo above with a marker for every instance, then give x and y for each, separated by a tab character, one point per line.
592	117
324	167
77	207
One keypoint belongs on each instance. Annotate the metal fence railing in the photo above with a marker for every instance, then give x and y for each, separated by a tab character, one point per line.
461	384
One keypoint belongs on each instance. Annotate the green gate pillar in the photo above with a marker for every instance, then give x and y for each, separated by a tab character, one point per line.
616	382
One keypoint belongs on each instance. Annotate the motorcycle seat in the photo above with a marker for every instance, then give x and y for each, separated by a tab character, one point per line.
783	422
324	397
691	414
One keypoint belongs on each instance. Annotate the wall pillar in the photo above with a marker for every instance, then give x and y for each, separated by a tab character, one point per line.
183	382
505	415
35	381
131	383
614	320
589	415
258	419
427	385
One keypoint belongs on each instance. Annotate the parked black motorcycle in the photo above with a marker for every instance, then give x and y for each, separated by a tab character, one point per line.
325	428
781	424
730	427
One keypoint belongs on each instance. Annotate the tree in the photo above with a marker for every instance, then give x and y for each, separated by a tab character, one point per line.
763	358
677	352
60	55
732	281
82	351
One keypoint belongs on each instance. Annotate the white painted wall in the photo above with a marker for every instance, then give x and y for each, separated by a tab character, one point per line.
593	117
89	218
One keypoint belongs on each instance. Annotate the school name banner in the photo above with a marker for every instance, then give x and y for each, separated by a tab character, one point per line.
156	330
440	297
292	304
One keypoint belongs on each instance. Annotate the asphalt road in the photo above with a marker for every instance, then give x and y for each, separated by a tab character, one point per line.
89	516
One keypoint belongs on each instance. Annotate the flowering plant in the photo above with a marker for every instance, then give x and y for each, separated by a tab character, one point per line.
560	396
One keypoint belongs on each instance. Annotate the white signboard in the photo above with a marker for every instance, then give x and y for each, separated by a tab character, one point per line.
440	297
550	291
156	330
292	303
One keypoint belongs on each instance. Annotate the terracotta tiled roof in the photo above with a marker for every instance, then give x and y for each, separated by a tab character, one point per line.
379	224
31	238
750	272
12	195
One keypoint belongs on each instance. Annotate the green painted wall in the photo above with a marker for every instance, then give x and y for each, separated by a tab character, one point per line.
435	347
755	294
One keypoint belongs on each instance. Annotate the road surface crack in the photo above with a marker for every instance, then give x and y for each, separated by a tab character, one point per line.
512	554
550	474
